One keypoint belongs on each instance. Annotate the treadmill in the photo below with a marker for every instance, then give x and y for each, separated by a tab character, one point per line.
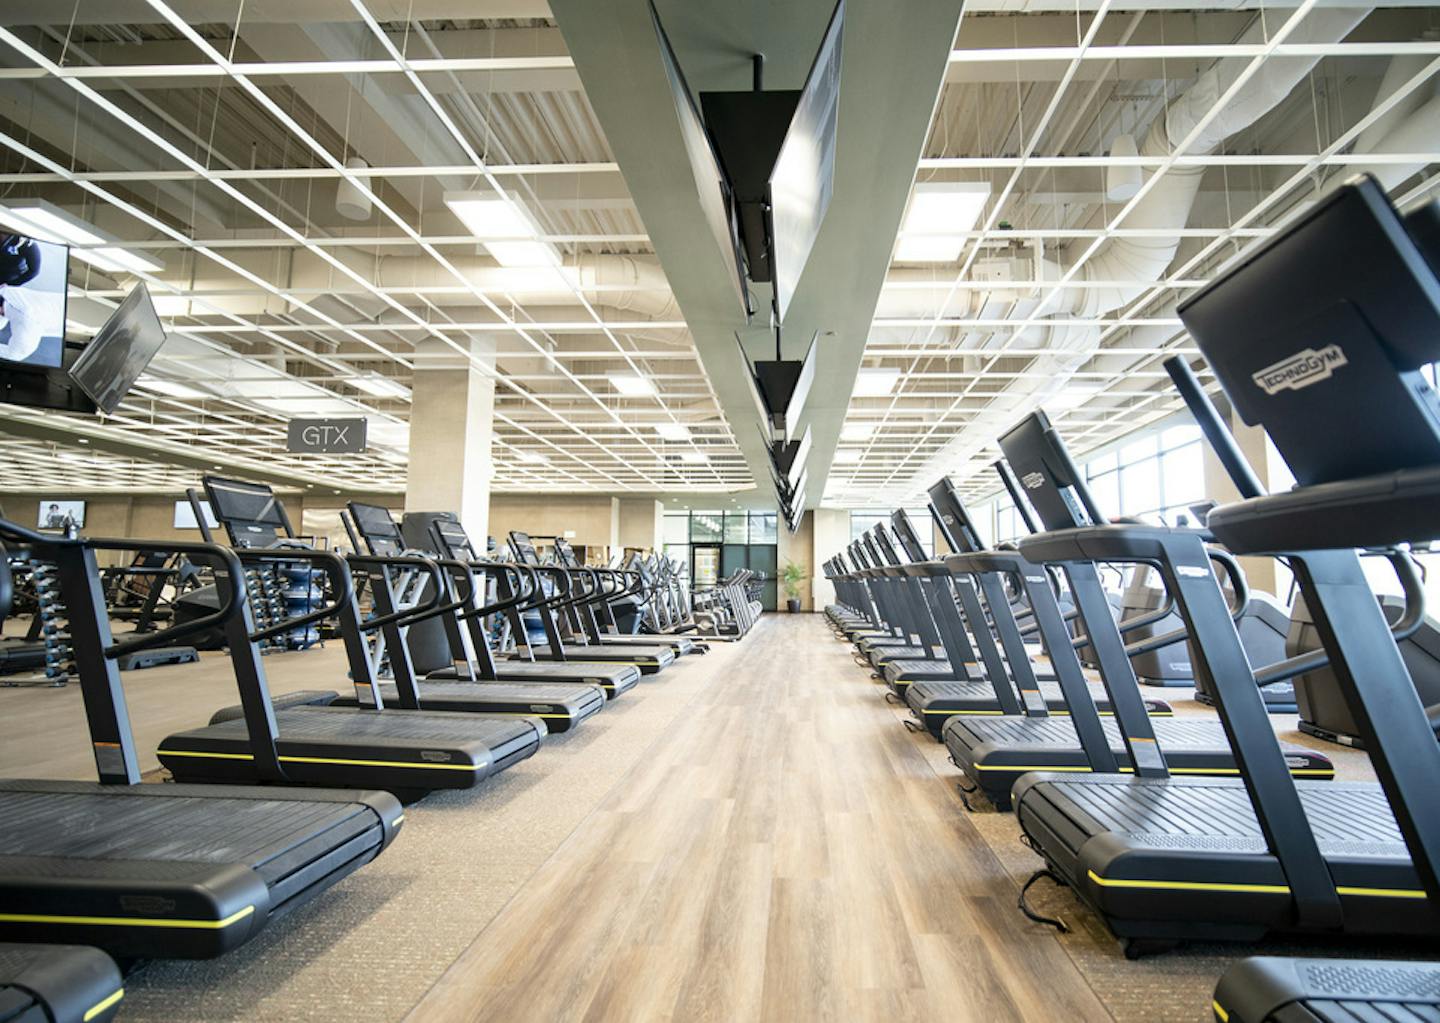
303	738
443	650
561	705
935	703
993	754
155	871
596	616
1163	860
651	659
57	984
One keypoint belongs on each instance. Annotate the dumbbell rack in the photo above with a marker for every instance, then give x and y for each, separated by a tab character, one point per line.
51	622
281	591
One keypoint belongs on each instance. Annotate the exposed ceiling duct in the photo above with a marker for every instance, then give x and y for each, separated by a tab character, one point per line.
1134	264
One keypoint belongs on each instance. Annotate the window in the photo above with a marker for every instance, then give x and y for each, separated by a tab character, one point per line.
763	527
862	522
705	526
1155	477
737	527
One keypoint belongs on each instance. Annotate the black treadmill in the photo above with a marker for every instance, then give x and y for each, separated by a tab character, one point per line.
443	650
160	871
595	616
57	984
561	705
651	659
994	753
302	738
1163	860
972	577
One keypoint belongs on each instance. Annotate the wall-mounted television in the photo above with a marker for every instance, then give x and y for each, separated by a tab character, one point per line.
33	275
185	516
58	514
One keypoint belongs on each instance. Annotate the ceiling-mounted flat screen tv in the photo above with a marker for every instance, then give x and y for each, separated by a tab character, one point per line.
120	351
33	274
710	180
803	178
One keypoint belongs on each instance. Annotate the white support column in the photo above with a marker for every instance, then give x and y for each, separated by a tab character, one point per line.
451	426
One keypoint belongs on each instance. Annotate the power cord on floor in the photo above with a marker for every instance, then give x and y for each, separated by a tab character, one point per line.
1040	918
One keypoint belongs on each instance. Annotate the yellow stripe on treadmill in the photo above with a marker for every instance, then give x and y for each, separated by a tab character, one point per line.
323	760
102	1005
1379	893
1220	1012
127	921
1203	771
1189	886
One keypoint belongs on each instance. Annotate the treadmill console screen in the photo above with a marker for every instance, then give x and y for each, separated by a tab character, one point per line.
887	548
523	548
905	531
955	523
1053	486
378	527
250	512
1295	327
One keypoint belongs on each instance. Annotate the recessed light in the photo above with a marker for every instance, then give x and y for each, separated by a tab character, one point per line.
490	215
631	385
82	440
875	383
673	431
379	386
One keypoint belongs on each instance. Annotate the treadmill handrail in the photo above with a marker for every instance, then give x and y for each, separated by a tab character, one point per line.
332	564
428	607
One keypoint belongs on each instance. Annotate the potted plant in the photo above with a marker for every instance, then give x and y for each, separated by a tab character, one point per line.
791	577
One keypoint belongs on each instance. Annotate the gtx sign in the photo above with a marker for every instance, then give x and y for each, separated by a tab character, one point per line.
326	436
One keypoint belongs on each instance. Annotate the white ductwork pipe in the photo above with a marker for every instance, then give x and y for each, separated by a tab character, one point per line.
1140	262
632	286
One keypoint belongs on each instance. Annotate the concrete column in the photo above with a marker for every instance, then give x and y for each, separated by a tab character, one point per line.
831	529
1260	572
642	523
451	424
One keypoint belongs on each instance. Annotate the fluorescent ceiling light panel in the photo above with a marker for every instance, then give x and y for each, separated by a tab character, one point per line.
173	388
50	223
846	456
673	431
940	213
379	386
875	383
631	385
530	457
945	207
857	431
921	248
487	215
693	457
523	253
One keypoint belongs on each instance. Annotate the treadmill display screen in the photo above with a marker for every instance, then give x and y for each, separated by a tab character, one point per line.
1043	466
955	522
249	512
905	532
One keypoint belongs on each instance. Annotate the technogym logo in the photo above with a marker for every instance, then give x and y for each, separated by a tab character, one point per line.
1033	480
1300	370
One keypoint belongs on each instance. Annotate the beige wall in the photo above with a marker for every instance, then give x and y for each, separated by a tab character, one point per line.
595	519
1259	572
830	532
137	516
642	523
799	547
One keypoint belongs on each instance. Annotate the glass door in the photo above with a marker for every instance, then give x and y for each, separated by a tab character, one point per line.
704	565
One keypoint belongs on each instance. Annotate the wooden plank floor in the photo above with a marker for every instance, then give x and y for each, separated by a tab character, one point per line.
787	853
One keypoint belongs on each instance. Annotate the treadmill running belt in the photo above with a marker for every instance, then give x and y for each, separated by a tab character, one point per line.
1183	859
173	871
